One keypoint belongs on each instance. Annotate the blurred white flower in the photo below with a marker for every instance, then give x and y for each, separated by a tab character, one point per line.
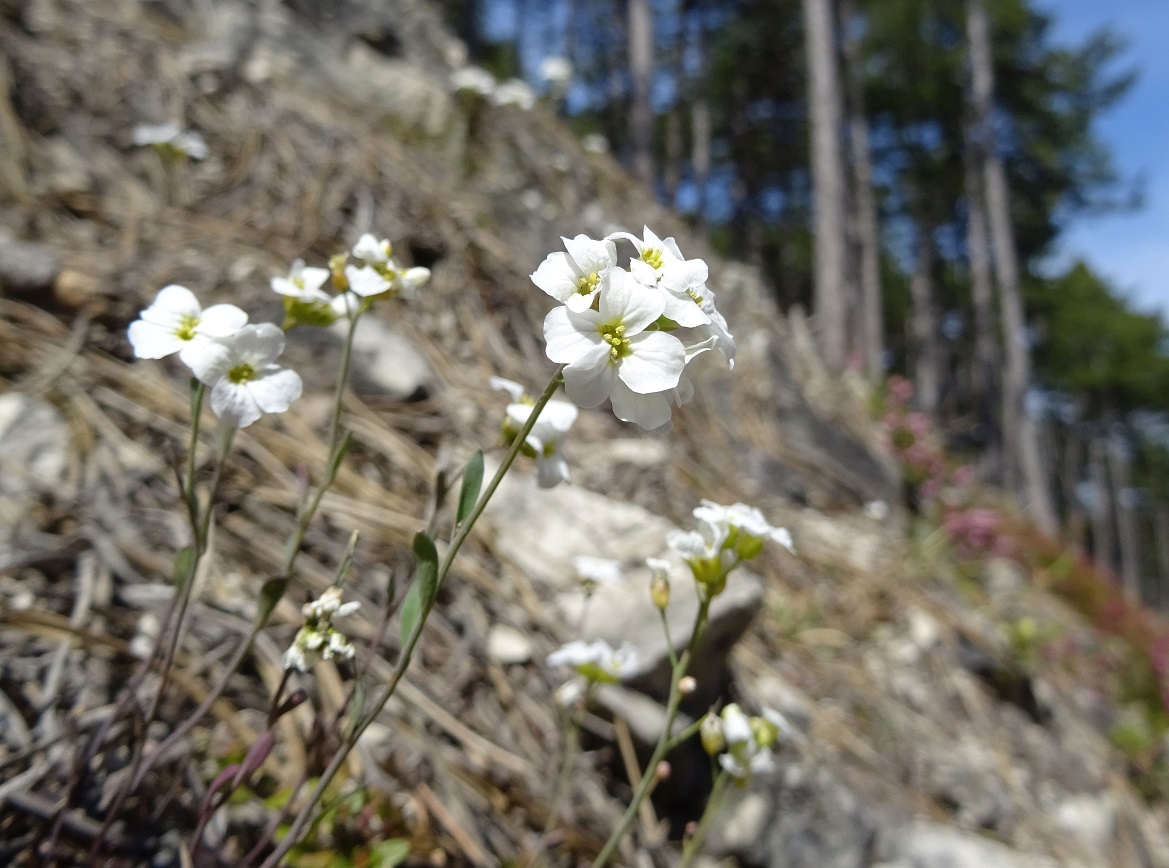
596	661
515	92
594	571
474	79
175	322
303	283
745	756
170	136
318	639
595	143
366	281
372	251
556	70
746	519
543	441
245	381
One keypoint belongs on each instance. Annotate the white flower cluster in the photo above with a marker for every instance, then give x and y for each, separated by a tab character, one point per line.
726	535
543	441
557	72
169	137
318	639
594	662
743	744
237	361
629	335
476	80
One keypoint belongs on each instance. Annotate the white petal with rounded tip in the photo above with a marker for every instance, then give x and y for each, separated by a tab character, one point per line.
556	277
551	470
510	386
681	276
234	404
172	304
152	341
636	306
569	334
589	381
209	361
647	411
643	272
412	278
591	255
683	310
656	363
365	281
273	391
259	344
626	236
221	320
559	415
369	249
314	278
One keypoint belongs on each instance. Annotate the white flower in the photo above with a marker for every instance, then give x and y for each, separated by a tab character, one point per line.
746	519
610	353
653	253
576	277
244	379
318	639
474	79
596	661
303	283
595	143
168	135
595	571
555	420
685	281
514	92
175	322
744	756
329	605
557	71
372	251
366	281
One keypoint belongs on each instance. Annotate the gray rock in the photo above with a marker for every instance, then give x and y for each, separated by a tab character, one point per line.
386	359
929	845
507	645
26	267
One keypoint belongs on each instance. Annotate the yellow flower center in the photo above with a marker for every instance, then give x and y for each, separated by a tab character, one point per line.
588	283
241	374
614	336
652	257
186	329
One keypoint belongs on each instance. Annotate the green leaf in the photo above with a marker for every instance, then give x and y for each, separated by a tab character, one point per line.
270	594
426	566
472	482
388	854
411	609
184	562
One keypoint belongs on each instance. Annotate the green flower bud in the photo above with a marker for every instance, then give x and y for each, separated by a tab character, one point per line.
710	731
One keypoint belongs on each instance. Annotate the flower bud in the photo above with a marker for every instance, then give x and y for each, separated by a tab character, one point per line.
337	271
687	685
662	772
659	591
710	731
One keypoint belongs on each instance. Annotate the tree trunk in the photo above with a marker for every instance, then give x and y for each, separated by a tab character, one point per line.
824	107
985	377
700	116
1101	505
1130	564
1019	435
927	358
868	239
641	70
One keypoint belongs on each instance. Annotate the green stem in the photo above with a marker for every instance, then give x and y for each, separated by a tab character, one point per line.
713	805
304	814
665	741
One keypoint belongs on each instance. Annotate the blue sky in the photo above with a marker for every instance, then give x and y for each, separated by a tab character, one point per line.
1130	249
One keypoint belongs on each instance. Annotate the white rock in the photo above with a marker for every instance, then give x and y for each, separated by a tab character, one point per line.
507	645
386	358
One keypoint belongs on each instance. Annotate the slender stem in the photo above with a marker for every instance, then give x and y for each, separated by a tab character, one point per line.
665	740
713	806
304	814
292	550
669	640
564	776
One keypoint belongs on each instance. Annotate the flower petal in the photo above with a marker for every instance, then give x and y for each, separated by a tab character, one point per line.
591	255
589	381
233	403
636	306
365	281
510	386
569	334
259	344
153	341
221	320
556	277
275	389
209	360
173	304
648	411
656	363
551	470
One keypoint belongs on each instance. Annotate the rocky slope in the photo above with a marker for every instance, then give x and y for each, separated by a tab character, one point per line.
923	736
